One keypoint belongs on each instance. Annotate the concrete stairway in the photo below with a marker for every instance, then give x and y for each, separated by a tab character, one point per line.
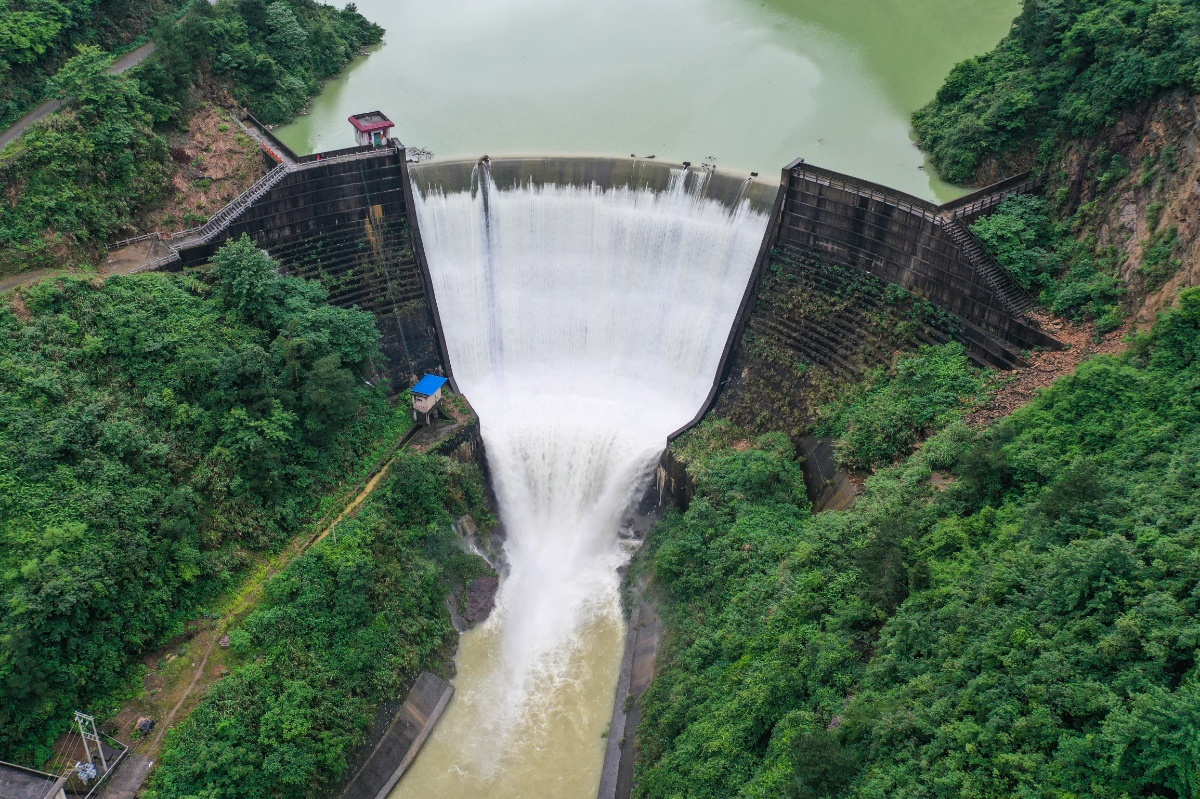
1013	296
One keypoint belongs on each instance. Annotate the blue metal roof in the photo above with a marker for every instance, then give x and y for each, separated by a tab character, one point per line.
429	384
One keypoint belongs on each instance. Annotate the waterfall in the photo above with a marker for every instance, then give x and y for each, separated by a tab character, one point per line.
584	325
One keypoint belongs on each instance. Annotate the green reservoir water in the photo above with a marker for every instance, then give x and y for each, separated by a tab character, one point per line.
753	84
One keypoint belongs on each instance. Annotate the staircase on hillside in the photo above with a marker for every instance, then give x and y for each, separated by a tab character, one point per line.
1015	299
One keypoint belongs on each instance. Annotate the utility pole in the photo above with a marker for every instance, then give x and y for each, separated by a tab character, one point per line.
87	731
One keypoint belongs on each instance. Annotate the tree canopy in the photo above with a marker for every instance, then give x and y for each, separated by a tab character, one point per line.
154	431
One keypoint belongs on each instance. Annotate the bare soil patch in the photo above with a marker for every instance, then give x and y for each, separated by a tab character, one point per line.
214	162
1021	385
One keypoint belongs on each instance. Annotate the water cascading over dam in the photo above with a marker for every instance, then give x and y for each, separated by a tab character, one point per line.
585	324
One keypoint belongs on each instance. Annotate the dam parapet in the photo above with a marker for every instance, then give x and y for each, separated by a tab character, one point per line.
728	188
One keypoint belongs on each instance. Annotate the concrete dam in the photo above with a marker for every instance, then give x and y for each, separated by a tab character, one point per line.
591	310
345	218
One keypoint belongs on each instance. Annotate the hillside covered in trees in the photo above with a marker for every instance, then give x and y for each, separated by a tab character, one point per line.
84	175
1008	612
155	432
345	627
38	36
1066	69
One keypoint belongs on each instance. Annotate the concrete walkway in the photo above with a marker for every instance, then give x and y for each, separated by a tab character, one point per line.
127	780
125	62
280	156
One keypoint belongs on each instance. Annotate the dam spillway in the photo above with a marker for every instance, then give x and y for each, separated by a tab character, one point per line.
585	323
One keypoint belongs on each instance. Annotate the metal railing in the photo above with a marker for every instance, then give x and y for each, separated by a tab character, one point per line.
1016	300
989	196
285	151
236	206
126	242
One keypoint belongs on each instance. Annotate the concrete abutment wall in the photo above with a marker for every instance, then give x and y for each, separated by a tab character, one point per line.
347	222
908	242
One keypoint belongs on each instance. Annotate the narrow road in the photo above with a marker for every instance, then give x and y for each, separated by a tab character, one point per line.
127	786
125	62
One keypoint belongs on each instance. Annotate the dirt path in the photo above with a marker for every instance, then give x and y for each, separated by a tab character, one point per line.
125	62
201	676
1081	340
27	277
166	723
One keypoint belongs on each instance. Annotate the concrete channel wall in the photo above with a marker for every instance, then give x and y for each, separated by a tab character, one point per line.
401	740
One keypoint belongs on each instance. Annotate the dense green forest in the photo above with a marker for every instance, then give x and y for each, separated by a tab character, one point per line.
38	36
274	54
1024	626
75	180
344	627
1065	69
155	432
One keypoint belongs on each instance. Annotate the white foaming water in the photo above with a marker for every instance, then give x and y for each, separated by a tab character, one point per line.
584	325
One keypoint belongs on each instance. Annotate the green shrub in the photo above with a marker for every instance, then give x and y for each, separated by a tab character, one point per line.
153	431
79	176
1158	257
1044	258
883	416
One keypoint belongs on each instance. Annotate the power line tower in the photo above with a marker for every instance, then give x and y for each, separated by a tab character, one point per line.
87	731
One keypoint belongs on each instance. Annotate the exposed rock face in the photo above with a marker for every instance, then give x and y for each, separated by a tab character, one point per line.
481	598
1159	144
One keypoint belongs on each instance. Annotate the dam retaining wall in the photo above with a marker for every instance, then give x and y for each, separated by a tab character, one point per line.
345	221
909	242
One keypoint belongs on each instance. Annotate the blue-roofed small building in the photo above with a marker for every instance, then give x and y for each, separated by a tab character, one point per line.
425	396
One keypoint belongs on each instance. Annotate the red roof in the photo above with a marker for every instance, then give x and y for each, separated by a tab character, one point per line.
372	120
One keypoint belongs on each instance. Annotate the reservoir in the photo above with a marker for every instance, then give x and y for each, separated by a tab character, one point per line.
752	84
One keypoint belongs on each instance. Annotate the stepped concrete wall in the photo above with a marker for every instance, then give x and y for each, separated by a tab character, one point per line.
851	272
905	241
347	223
